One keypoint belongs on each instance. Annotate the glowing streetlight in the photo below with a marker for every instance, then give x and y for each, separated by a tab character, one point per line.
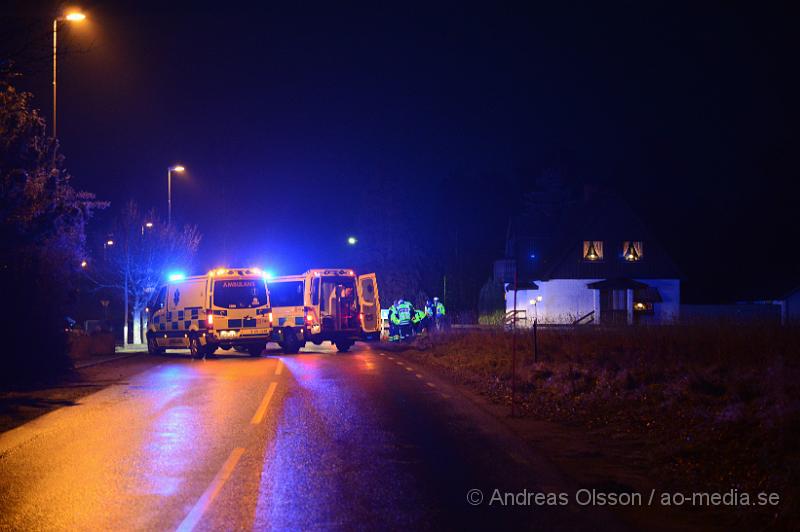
352	240
84	264
177	168
109	242
72	16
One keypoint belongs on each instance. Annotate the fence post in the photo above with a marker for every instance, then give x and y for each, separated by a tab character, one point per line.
535	341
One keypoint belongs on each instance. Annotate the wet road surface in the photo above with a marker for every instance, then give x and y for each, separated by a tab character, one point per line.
317	440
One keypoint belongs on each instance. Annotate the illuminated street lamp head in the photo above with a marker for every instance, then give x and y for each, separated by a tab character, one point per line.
177	168
84	264
109	242
352	240
149	225
74	16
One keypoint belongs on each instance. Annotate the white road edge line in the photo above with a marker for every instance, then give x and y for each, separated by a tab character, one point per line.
279	367
262	408
208	496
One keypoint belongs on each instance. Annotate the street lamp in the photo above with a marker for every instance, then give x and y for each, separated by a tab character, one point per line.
72	16
147	225
177	168
352	240
107	244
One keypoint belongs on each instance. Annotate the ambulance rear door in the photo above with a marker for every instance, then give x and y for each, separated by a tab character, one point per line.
369	302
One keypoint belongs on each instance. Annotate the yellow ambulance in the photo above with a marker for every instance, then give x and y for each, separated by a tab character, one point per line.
326	304
226	308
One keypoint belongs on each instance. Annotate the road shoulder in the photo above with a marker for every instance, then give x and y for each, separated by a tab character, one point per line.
24	404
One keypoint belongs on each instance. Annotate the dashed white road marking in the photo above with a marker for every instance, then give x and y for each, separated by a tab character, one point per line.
432	385
262	408
445	396
419	376
211	492
408	368
279	367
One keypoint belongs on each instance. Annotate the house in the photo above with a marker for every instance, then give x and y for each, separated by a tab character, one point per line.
591	260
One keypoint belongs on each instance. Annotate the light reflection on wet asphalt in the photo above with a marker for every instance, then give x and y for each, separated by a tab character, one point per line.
345	441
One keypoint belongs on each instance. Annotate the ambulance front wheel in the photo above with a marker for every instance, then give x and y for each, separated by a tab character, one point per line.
152	347
196	349
291	345
343	346
255	350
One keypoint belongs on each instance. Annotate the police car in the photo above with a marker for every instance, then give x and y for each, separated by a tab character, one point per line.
226	308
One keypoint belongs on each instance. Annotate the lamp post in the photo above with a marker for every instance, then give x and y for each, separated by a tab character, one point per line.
146	225
107	244
177	168
74	16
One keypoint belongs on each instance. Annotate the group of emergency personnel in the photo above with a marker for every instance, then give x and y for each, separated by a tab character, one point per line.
405	320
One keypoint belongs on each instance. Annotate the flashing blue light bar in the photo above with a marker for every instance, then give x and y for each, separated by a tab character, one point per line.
176	276
268	275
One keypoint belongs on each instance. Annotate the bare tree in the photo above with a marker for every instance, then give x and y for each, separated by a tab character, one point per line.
144	250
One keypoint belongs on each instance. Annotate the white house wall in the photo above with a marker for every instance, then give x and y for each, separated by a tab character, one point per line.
565	300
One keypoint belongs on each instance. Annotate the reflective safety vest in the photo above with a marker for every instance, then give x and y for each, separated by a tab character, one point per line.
439	309
404	310
419	315
393	315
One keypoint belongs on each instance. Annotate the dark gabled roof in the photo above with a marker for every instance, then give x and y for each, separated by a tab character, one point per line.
557	243
617	284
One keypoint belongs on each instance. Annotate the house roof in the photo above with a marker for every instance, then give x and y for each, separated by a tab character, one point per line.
551	247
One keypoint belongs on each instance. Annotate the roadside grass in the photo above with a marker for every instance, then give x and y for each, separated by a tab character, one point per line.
715	405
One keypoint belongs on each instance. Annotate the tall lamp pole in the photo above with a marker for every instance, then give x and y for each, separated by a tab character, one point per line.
177	168
74	16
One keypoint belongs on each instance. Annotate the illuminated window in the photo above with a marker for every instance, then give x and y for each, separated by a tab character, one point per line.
592	250
632	250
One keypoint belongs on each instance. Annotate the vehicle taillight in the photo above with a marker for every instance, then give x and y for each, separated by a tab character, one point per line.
210	319
310	317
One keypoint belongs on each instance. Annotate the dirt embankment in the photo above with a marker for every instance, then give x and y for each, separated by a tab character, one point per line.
715	407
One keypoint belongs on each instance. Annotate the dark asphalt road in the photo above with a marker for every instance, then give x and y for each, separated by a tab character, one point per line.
317	440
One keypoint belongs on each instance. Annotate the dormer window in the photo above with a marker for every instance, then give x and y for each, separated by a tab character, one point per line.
592	250
632	250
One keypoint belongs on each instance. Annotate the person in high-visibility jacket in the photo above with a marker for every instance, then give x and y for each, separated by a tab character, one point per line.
419	320
438	313
404	311
393	322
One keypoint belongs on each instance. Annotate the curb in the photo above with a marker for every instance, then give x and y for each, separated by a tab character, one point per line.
110	359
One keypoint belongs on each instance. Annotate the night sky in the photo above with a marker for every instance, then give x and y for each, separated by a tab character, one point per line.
278	112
